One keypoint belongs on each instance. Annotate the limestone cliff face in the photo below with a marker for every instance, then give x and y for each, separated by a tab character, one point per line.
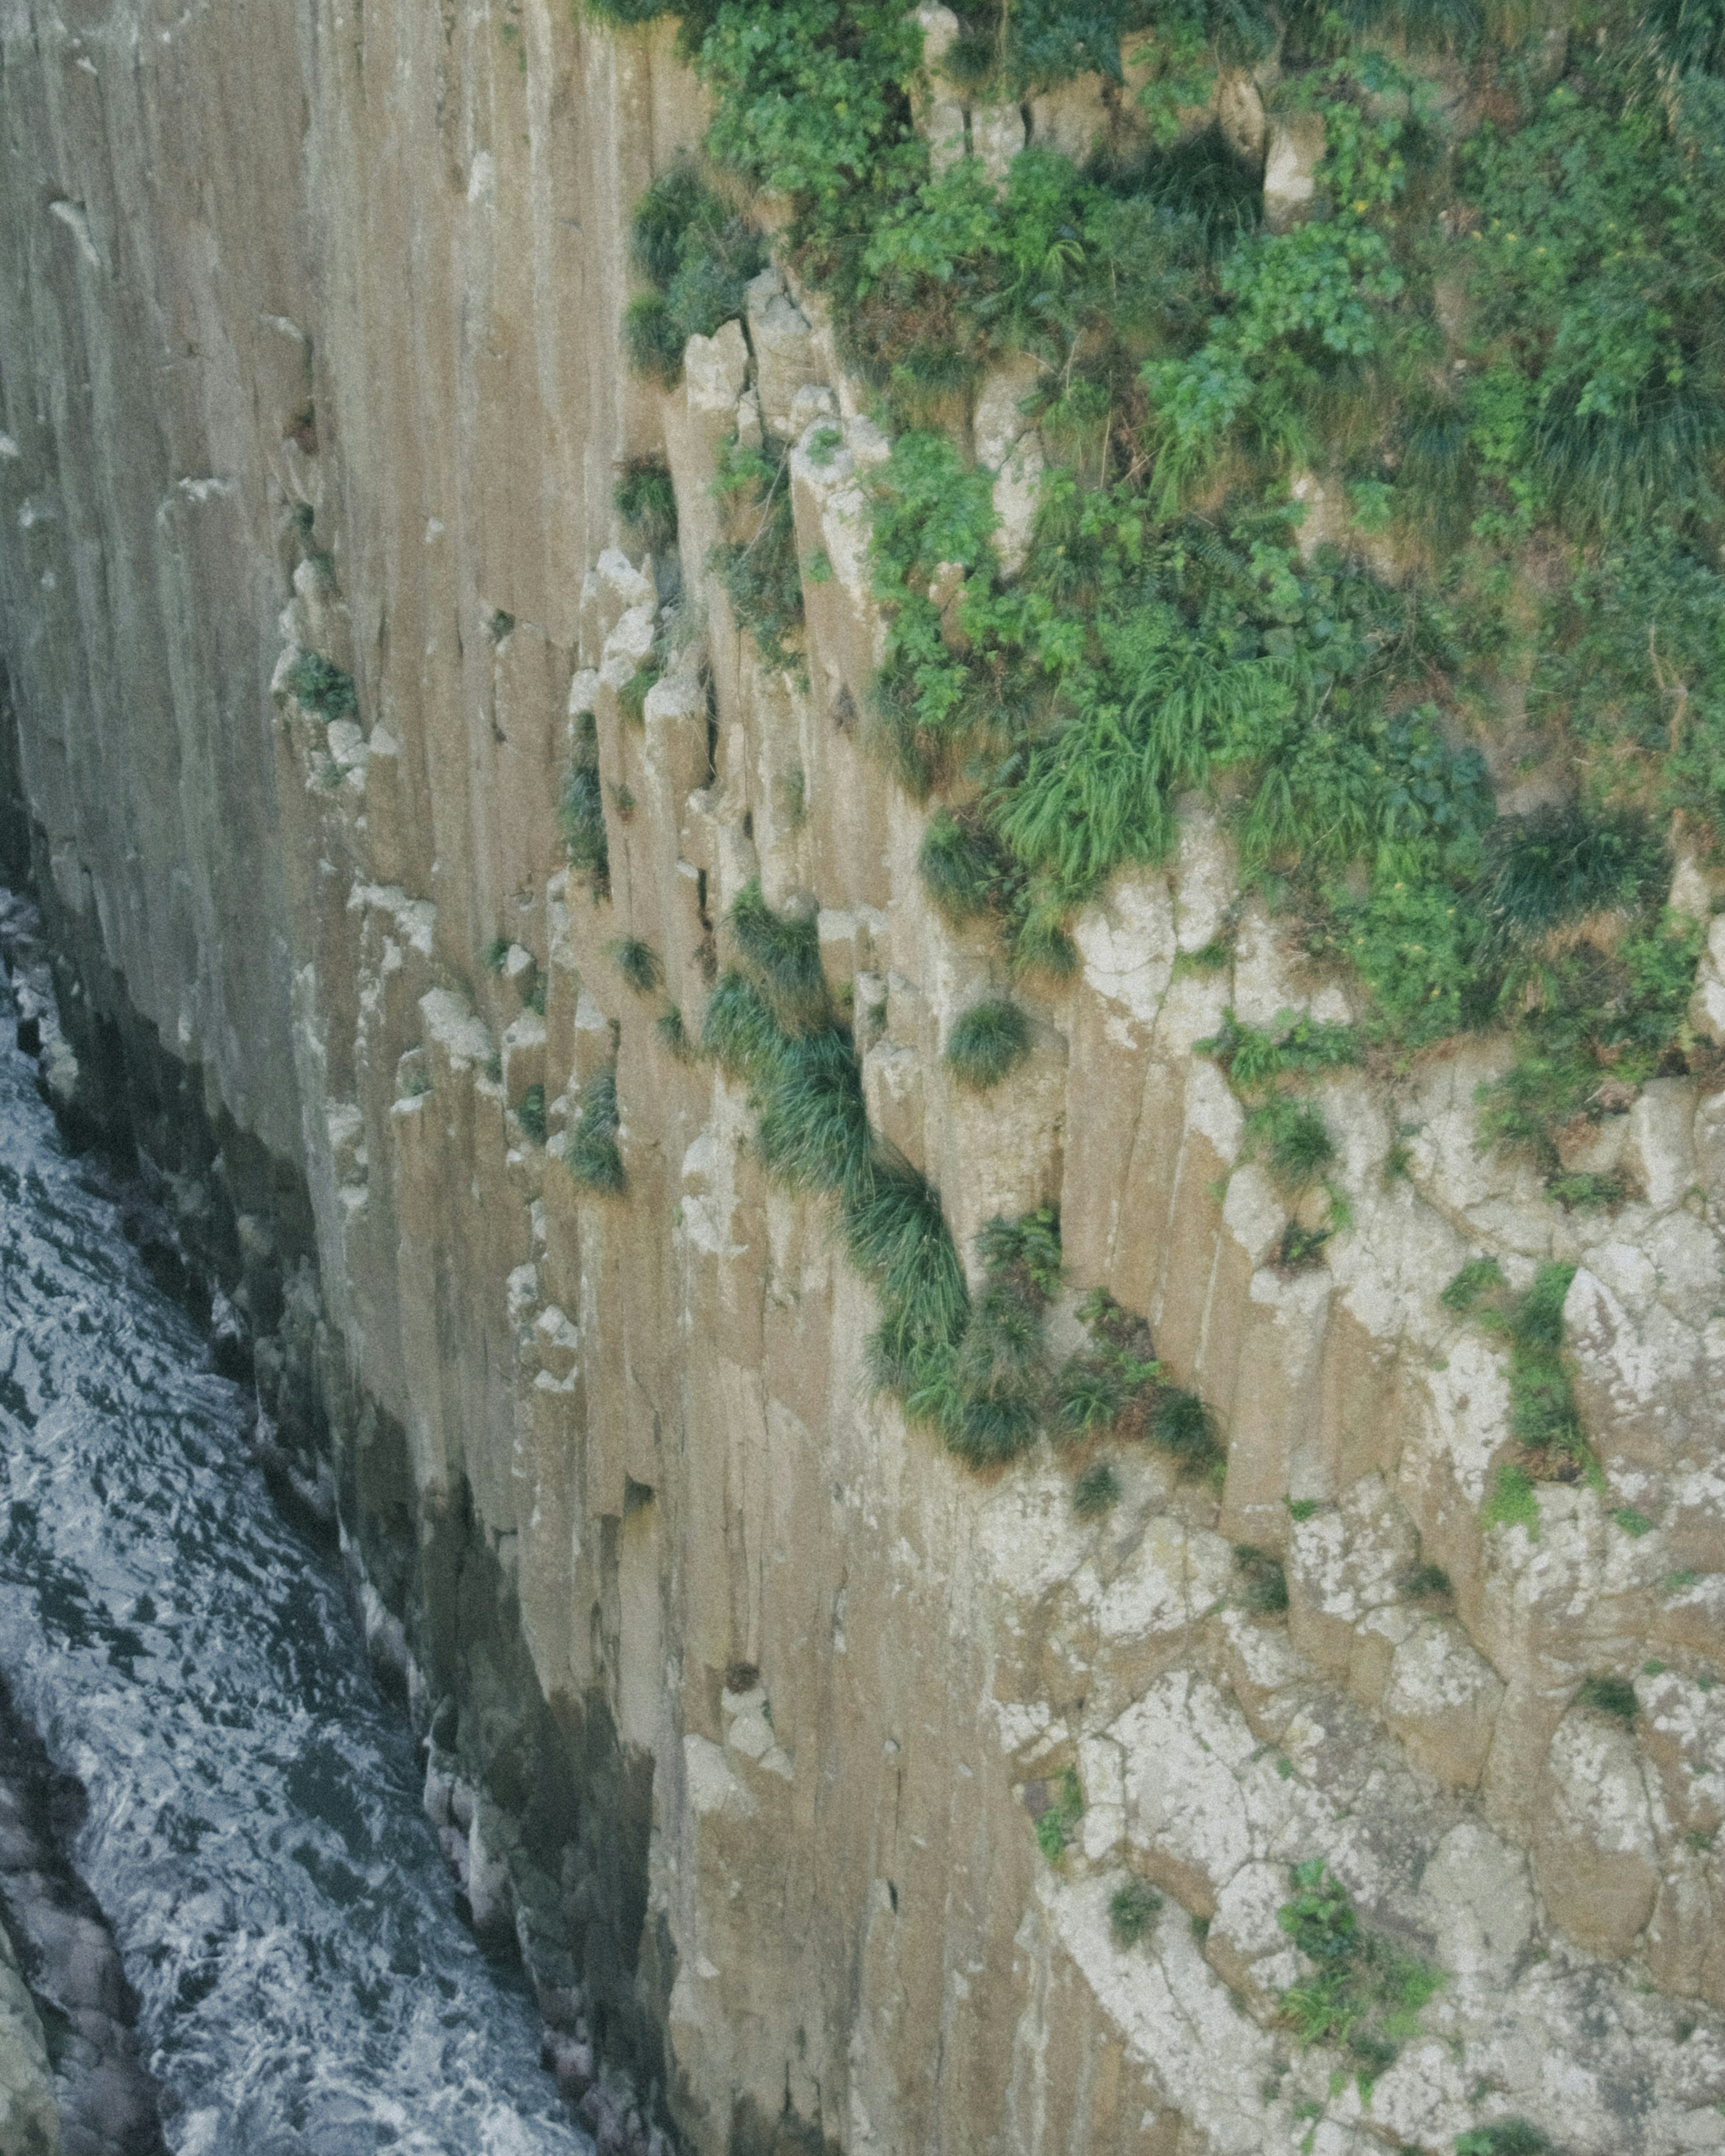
740	1696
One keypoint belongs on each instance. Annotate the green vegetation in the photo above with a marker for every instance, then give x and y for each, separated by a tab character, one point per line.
1132	1908
1059	1817
1096	1491
1635	1524
637	962
758	568
1365	1993
632	697
1427	1582
495	955
1166	633
1183	1427
530	1113
1615	1696
674	1036
590	1150
320	686
987	1042
780	954
697	255
1264	1583
1559	413
1110	1385
581	813
1503	2137
1551	1445
646	501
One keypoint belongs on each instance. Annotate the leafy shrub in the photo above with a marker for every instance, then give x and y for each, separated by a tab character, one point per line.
1056	1824
590	1150
1253	1058
987	1042
321	686
637	962
645	499
1132	1908
530	1113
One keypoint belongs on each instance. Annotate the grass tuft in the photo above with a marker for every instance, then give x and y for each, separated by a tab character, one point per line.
530	1113
321	686
1264	1582
637	962
1183	1427
987	1042
1132	1909
590	1151
780	954
1096	1491
1615	1696
645	499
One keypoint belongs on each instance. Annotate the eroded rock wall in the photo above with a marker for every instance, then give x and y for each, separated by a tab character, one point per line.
740	1697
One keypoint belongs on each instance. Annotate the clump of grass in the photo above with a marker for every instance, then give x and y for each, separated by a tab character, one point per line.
590	1151
1478	1277
637	962
1557	864
674	1036
987	1042
1264	1583
1295	1143
1635	1524
960	867
1615	1696
646	500
1132	1908
780	954
632	697
1365	1993
1512	1501
1300	1249
500	623
1185	1428
1503	2137
1552	1444
495	955
1111	1385
1427	1583
321	686
581	813
698	256
530	1113
1096	1491
812	1133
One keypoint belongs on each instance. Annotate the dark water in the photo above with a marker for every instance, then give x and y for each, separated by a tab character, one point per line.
254	1831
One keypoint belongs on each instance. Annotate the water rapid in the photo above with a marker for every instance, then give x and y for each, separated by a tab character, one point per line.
254	1832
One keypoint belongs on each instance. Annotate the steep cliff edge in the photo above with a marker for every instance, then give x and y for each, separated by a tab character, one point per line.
386	806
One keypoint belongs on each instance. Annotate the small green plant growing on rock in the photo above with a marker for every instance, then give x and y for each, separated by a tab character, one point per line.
637	962
674	1036
1613	1696
1551	1445
1635	1524
990	1038
323	687
1365	1992
1096	1491
1110	1385
1292	1136
632	697
1061	1816
1513	1501
1183	1427
496	954
1503	2137
780	954
961	867
530	1113
1132	1908
760	570
590	1151
646	500
581	812
1264	1583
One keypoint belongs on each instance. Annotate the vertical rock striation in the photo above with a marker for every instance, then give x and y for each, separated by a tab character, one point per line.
741	1698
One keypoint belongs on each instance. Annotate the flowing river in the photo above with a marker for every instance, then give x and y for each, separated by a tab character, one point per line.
254	1832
